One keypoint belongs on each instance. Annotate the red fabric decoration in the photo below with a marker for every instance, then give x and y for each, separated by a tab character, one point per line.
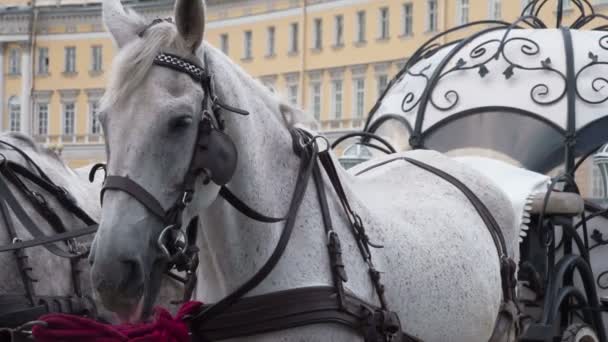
70	328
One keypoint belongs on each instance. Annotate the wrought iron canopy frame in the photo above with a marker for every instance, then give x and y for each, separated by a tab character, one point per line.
560	144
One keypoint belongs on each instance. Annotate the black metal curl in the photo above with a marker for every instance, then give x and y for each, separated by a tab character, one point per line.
531	48
599	278
598	83
410	98
451	96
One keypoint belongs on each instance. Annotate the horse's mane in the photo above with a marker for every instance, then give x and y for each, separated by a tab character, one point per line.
134	60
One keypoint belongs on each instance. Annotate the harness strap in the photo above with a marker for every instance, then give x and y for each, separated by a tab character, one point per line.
245	209
47	240
308	161
136	191
61	194
290	309
28	159
22	262
15	311
27	222
338	271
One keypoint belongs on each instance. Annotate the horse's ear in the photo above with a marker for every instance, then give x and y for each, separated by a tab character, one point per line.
122	26
190	21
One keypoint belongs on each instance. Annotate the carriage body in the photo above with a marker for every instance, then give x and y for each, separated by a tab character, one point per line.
535	97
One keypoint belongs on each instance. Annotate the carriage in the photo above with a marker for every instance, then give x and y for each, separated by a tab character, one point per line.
531	93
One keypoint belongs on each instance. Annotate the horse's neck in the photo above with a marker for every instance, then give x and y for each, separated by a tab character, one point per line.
238	246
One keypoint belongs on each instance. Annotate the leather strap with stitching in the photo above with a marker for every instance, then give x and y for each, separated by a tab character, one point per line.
306	166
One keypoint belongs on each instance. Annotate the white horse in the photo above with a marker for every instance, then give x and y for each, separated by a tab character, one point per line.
440	266
52	273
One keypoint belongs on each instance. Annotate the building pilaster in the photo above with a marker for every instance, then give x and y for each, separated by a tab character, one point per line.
26	85
2	104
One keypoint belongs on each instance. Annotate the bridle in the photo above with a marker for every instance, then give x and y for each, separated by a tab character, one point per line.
214	157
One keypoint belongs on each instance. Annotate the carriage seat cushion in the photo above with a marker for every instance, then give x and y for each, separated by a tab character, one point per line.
560	203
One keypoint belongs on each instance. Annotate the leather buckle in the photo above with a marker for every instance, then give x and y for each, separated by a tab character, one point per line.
66	195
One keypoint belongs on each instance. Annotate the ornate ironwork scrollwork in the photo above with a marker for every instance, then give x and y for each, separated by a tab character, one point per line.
598	83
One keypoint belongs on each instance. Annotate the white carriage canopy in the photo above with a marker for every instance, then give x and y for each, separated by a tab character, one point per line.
536	94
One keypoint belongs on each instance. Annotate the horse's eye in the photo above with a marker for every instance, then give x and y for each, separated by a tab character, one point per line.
180	122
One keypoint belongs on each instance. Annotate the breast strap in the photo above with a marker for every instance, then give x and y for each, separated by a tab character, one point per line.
290	309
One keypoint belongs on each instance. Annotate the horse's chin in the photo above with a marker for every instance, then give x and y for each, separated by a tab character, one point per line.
134	314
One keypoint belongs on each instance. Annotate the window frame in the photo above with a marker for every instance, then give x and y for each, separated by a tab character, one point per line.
316	98
463	11
338	31
384	23
14	61
225	43
293	93
69	59
43	61
14	115
271	41
408	19
361	26
247	45
294	38
95	127
317	43
96	58
358	98
39	130
337	110
64	121
431	17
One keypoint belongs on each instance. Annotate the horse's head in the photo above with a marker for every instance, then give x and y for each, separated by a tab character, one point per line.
151	118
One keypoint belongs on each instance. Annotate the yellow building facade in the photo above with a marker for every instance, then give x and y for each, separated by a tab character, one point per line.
331	57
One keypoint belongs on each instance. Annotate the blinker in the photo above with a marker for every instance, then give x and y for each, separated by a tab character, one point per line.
215	154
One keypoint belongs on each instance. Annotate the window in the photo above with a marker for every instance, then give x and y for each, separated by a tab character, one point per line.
408	19
600	188
14	113
360	26
339	30
431	19
68	118
43	61
359	91
42	115
224	43
70	59
383	23
318	34
14	61
94	117
315	99
382	83
292	94
96	59
495	9
526	10
293	38
247	41
462	12
270	42
336	92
